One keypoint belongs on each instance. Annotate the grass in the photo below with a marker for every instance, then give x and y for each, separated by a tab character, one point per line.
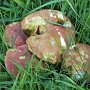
48	79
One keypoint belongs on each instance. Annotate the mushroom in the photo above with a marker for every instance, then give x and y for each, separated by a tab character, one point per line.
16	57
44	46
47	27
37	21
19	57
14	35
51	44
77	60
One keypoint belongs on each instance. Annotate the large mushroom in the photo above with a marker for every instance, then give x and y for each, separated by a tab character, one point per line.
19	57
51	44
77	60
49	32
38	21
14	36
45	47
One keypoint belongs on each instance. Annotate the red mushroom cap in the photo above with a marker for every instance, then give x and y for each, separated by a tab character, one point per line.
16	57
19	58
14	35
78	59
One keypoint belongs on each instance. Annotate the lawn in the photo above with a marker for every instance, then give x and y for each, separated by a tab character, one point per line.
52	78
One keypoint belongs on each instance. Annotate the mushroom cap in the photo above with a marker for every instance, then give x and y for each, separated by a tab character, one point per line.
19	57
77	58
14	35
16	57
41	27
50	45
40	19
44	46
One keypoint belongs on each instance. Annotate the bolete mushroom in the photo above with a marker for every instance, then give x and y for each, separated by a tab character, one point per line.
47	39
36	22
77	60
14	35
16	57
19	57
51	44
44	46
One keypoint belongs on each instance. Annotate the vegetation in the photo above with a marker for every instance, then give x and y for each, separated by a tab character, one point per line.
52	78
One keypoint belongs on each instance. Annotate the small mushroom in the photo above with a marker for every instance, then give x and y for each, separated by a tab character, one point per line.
38	21
77	60
16	57
19	57
14	35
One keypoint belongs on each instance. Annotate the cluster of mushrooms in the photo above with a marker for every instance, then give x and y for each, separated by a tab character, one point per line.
49	35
